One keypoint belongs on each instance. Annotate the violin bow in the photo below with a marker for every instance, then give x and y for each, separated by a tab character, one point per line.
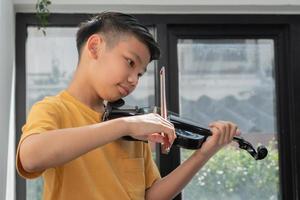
165	147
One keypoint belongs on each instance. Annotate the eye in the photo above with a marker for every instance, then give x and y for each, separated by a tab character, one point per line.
130	62
140	75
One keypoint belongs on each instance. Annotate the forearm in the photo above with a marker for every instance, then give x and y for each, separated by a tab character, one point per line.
168	187
56	147
171	185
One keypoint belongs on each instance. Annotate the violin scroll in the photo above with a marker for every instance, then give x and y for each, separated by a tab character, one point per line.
258	154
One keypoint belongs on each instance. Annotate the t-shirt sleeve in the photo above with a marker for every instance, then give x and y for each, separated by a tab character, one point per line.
151	171
43	117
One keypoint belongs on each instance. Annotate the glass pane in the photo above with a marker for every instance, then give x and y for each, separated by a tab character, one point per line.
232	80
50	64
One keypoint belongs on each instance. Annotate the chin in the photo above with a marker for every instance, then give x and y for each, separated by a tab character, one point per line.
113	98
110	97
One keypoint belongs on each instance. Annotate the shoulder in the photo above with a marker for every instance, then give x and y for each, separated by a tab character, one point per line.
49	103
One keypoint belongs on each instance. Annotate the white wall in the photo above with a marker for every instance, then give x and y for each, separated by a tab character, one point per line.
6	67
167	6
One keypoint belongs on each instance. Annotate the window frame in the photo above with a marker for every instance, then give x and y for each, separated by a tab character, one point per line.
276	32
286	31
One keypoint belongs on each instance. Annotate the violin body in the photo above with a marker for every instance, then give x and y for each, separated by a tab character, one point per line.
188	137
188	140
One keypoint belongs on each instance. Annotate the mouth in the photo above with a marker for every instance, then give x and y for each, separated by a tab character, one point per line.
123	90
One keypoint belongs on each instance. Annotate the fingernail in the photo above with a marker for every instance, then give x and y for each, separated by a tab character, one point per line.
168	149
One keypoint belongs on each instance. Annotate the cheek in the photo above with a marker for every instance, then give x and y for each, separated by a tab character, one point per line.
112	69
112	75
103	69
116	71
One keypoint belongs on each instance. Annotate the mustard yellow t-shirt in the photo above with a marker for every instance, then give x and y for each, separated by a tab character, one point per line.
118	170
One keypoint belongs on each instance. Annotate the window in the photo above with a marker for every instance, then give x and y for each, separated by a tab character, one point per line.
231	79
260	52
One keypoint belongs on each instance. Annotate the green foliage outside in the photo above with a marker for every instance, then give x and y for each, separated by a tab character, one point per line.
232	174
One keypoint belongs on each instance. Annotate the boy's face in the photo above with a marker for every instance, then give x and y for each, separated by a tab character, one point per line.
115	70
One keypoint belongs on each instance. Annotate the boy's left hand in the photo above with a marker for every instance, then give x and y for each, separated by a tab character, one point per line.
222	134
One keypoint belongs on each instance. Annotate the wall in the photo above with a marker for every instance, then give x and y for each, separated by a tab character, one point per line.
6	67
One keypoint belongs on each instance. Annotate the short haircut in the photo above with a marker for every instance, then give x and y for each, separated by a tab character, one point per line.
113	25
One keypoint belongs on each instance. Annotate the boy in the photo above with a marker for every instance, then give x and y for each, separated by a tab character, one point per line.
81	158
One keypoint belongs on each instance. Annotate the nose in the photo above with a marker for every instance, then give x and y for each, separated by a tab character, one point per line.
133	79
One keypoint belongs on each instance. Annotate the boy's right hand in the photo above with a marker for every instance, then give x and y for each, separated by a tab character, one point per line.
149	127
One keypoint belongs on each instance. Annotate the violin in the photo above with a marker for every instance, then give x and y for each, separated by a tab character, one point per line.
190	135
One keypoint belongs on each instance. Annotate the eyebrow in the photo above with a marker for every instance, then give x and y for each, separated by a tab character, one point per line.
139	59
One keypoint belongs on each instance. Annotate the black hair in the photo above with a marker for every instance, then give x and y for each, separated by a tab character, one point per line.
116	23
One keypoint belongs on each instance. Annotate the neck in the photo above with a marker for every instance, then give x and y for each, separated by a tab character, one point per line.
82	91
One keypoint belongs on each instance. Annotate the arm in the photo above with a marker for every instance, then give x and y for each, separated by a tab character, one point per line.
169	186
64	145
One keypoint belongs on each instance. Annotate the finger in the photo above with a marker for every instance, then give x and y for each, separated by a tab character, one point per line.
228	136
222	130
216	133
238	132
156	137
166	142
172	136
233	131
169	130
227	133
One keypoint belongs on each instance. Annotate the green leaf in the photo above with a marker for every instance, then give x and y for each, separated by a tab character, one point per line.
42	13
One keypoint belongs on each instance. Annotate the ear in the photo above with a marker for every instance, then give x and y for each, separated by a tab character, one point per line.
94	45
